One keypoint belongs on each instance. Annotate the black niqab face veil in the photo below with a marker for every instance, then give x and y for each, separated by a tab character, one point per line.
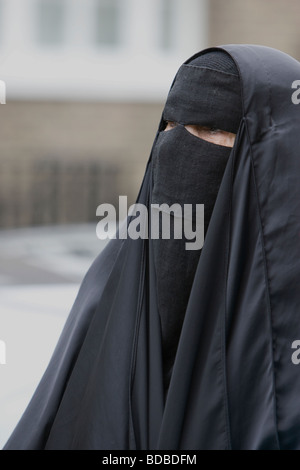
234	381
189	170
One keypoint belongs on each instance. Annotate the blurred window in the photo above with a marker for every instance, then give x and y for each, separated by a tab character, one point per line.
107	22
167	37
50	22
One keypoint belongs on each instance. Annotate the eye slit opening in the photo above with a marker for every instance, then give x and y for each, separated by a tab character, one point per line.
211	129
212	134
168	125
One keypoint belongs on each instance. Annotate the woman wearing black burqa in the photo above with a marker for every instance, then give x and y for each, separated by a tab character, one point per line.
173	349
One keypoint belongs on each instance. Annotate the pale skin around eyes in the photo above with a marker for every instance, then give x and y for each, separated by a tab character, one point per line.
215	136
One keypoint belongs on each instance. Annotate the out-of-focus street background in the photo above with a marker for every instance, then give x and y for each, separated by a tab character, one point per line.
85	85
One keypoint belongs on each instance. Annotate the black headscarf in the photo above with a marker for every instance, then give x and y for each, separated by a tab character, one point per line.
233	384
189	170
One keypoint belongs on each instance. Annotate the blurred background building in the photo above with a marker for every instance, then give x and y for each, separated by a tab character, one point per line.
86	80
85	83
274	24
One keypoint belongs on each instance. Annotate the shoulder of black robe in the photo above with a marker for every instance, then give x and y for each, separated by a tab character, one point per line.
234	385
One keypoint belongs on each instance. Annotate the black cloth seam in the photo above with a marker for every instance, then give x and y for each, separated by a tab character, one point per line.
214	70
267	280
226	268
135	342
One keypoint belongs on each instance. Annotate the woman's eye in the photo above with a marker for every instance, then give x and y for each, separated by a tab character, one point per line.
213	130
170	125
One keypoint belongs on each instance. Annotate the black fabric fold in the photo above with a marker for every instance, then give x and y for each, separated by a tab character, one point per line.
186	170
206	97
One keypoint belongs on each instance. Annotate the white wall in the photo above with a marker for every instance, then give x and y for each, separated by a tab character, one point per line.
137	69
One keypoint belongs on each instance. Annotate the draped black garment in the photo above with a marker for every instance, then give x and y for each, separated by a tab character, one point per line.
188	170
233	385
